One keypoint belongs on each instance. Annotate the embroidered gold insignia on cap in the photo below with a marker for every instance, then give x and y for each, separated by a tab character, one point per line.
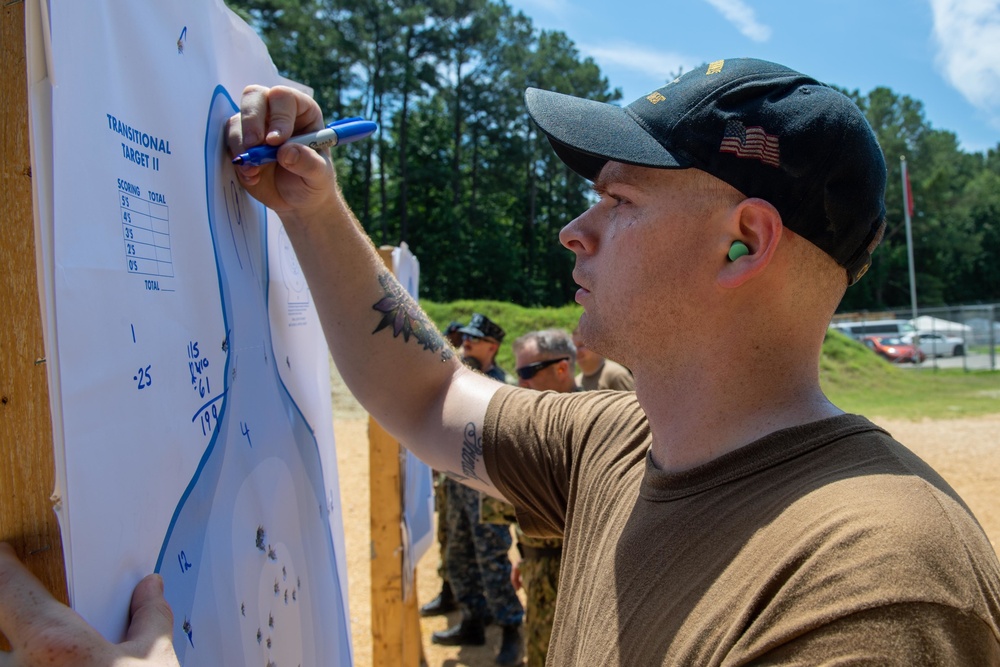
655	97
716	67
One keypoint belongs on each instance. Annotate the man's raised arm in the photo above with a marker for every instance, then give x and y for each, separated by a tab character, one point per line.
389	353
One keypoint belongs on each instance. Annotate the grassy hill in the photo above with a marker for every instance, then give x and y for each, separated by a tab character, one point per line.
851	375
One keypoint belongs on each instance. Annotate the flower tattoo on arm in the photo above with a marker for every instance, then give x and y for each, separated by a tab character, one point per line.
402	313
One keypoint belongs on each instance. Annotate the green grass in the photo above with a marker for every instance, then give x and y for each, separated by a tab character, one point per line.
858	381
851	375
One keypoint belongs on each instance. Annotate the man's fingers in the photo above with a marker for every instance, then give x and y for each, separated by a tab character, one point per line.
253	117
290	112
304	162
151	622
149	612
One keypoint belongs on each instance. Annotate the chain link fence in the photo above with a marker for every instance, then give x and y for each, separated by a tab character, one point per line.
964	337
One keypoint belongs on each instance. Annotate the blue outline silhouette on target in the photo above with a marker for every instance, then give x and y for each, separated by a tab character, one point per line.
255	508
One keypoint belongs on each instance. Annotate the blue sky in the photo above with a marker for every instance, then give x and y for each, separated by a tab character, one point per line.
945	53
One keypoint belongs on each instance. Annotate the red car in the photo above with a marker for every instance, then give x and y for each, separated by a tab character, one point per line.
894	349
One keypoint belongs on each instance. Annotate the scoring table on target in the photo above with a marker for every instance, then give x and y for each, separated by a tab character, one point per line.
145	231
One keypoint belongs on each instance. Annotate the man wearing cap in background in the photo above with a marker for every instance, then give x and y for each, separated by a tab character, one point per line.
477	563
445	600
481	339
726	512
596	372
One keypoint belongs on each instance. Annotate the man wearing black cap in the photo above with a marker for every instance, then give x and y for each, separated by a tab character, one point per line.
445	600
726	513
478	568
481	339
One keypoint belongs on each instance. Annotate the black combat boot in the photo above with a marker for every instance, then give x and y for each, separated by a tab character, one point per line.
512	648
470	631
442	604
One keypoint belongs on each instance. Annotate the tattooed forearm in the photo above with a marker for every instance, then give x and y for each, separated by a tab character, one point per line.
401	312
472	452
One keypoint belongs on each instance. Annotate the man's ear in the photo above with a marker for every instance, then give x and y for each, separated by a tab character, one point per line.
756	224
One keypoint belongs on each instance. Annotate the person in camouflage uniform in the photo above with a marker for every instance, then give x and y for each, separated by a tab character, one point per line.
445	600
478	568
545	361
538	572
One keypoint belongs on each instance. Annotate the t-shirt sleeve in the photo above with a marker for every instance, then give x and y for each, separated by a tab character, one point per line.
915	633
538	446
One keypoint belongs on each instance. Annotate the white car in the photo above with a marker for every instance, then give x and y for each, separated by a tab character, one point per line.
936	344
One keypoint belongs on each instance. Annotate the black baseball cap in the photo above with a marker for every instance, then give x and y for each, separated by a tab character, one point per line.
481	326
765	129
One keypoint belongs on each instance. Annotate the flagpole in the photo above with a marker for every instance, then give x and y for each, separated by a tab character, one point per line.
909	236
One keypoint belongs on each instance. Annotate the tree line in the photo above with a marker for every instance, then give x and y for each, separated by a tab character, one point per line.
459	172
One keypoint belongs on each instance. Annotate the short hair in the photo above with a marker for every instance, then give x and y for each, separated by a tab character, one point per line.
550	342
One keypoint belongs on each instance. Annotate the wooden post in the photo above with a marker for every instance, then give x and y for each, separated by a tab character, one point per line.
395	617
27	521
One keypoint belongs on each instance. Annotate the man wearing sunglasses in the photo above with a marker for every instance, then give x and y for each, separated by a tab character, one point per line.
726	513
545	362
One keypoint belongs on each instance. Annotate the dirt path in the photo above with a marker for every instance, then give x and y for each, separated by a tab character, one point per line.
965	451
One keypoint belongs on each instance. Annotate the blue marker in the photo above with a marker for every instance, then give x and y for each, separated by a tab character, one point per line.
342	131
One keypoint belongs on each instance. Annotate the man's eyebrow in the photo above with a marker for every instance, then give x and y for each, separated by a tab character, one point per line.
606	181
612	175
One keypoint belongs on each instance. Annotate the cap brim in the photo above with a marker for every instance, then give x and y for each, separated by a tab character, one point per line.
586	134
472	332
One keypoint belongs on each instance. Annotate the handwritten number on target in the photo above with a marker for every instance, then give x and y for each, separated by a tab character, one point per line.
143	377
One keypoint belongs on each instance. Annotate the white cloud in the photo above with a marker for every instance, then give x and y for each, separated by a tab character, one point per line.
660	66
742	16
967	33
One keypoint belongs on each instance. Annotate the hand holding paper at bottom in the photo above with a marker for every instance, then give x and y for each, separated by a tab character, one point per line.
44	631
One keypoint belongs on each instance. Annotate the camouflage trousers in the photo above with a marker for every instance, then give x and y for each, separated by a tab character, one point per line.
540	578
478	566
441	507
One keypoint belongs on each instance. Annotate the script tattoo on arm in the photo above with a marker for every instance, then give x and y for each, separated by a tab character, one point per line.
472	452
401	312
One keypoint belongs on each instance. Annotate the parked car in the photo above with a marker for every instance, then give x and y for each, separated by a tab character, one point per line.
879	328
894	349
936	344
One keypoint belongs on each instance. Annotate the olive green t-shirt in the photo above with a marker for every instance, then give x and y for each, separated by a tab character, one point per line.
610	375
827	542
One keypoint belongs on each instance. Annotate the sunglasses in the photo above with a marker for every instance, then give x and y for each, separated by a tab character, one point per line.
531	370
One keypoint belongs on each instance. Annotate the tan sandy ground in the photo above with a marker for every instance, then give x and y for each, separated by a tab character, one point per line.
965	451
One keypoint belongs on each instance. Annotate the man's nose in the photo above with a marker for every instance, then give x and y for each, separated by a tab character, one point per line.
576	235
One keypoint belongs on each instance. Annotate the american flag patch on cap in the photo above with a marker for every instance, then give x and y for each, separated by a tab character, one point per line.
750	142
